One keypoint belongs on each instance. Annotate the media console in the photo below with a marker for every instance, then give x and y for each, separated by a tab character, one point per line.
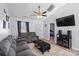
64	39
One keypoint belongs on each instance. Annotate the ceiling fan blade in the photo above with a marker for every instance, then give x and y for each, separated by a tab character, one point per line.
36	12
33	15
51	7
44	12
44	15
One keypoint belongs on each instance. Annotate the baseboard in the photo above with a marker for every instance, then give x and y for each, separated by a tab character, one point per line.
75	49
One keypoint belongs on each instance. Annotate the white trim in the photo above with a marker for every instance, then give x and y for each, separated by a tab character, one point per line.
54	31
75	49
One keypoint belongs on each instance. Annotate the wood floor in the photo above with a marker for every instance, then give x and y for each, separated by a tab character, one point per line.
55	50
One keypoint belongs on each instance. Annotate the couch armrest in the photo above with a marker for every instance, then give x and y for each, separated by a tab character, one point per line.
35	38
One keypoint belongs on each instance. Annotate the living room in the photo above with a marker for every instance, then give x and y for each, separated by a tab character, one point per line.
39	27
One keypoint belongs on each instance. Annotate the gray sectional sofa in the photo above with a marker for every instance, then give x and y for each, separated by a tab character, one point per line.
14	47
29	36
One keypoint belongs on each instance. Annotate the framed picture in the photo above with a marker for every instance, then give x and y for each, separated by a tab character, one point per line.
7	18
4	10
4	24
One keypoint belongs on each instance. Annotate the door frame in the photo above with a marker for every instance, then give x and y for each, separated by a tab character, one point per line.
54	31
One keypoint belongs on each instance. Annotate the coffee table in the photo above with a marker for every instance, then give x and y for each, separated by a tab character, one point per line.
42	46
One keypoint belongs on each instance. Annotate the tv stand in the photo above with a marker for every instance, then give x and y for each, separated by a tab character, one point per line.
64	40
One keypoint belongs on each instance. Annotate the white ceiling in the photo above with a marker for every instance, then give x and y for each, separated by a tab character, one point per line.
26	9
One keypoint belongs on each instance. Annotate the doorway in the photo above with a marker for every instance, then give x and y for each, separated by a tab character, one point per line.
52	32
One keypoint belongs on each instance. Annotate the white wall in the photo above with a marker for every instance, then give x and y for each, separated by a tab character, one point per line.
3	32
46	28
34	26
39	28
13	27
66	10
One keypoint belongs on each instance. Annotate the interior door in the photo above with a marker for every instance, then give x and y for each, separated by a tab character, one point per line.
52	31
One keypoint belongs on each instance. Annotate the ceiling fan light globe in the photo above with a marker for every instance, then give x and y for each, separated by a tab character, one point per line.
39	17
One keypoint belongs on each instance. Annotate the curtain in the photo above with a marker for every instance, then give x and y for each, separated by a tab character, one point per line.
19	27
27	26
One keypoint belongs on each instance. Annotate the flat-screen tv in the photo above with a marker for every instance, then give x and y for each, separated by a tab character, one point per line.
66	21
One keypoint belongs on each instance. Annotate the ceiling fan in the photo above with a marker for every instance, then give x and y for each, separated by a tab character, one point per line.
40	12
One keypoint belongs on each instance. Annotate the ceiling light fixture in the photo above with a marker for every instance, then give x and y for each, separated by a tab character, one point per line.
40	13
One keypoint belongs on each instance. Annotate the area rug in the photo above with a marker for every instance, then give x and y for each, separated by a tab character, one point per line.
54	51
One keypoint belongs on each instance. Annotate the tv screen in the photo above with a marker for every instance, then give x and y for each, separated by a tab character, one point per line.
66	21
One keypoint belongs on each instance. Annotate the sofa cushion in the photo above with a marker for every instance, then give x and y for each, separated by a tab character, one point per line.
21	39
25	53
22	47
11	52
5	45
9	38
31	34
22	35
29	40
21	43
13	45
2	52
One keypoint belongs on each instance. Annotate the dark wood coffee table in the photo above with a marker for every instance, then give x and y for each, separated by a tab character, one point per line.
42	46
